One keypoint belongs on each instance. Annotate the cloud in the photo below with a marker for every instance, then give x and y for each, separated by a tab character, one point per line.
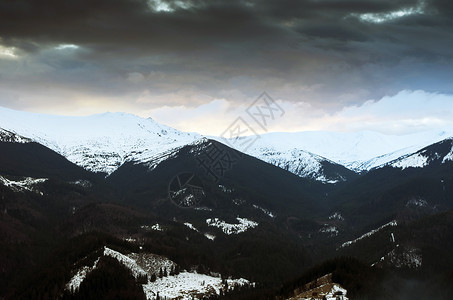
140	55
406	112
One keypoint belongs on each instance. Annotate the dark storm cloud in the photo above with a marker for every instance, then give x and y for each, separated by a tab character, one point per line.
319	48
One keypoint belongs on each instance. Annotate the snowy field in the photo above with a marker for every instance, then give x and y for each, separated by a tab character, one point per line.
228	228
185	285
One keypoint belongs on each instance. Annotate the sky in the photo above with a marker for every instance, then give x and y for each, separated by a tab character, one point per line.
341	65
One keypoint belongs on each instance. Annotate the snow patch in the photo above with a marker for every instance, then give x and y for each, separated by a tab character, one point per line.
79	277
10	137
348	243
188	286
152	263
127	261
238	201
449	156
335	291
156	227
265	211
331	230
225	189
417	202
402	257
151	159
203	208
82	183
27	184
416	160
336	216
191	226
410	258
227	228
210	236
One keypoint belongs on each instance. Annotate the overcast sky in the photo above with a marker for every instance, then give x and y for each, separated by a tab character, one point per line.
197	65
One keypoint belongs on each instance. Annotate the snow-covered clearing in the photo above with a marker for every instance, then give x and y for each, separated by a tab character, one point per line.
184	285
227	228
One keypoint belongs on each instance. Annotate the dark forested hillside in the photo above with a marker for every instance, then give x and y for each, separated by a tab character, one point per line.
248	219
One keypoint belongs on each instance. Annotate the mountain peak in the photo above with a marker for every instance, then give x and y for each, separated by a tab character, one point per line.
100	142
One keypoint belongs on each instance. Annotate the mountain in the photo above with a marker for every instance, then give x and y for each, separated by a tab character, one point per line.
102	143
358	151
406	188
98	143
20	156
53	226
300	162
436	154
233	183
219	215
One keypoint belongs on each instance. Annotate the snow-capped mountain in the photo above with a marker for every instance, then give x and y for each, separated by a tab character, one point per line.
255	215
332	157
358	151
439	153
302	163
98	143
103	142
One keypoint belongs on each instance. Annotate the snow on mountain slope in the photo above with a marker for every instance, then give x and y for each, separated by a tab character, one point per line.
276	151
99	143
440	152
26	184
449	156
417	160
79	276
299	162
227	228
402	257
303	152
185	285
9	137
189	286
368	234
103	142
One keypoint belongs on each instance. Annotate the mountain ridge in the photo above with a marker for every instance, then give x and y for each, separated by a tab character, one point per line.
103	142
98	143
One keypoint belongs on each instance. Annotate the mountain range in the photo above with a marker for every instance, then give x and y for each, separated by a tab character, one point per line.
82	196
103	142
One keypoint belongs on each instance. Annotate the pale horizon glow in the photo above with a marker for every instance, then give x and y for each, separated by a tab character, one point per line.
404	113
